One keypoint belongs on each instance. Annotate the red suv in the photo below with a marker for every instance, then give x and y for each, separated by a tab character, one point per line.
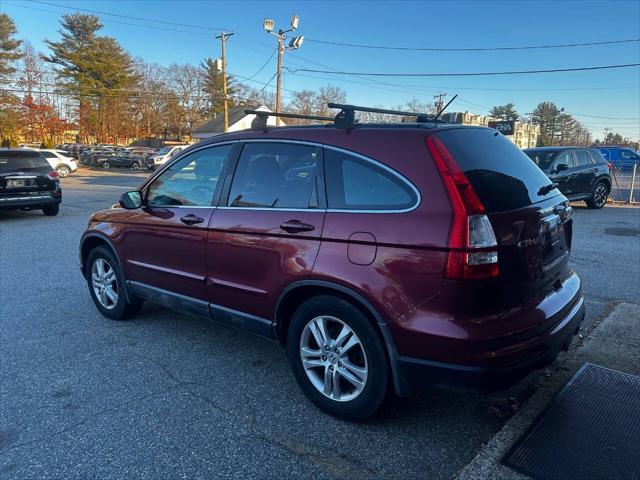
377	255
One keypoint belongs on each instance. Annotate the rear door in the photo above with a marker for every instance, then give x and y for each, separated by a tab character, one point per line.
165	241
266	231
585	172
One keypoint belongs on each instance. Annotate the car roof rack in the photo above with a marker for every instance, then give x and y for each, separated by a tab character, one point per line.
345	117
260	122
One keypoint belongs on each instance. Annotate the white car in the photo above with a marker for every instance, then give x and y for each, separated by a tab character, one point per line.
59	161
166	153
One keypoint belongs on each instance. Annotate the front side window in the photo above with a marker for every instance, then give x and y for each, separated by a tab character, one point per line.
356	184
49	154
275	175
563	158
191	181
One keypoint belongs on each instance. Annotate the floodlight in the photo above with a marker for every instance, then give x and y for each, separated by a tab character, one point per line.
296	42
268	25
295	21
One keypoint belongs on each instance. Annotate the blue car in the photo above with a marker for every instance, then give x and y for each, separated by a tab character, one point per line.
621	158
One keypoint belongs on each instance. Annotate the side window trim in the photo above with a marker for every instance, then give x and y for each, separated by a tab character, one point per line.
382	166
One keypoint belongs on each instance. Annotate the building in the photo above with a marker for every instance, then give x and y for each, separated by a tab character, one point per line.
525	134
238	120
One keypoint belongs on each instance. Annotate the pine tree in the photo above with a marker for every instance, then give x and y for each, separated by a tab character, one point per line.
213	88
504	112
97	71
10	116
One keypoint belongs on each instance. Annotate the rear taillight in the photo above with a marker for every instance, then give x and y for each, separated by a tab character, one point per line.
473	247
610	165
53	175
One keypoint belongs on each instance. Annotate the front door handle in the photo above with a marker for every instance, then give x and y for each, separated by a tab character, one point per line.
191	219
295	226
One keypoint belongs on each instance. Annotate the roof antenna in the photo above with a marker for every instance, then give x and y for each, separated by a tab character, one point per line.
445	107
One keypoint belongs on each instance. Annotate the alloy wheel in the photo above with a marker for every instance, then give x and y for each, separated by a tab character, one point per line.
104	283
600	195
63	171
333	358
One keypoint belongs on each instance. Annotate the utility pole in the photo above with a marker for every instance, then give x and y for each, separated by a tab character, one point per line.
295	43
223	39
439	101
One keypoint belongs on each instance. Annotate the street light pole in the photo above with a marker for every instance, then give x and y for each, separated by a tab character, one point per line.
223	38
279	73
269	26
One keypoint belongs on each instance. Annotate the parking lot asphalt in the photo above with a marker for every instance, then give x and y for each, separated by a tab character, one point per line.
167	395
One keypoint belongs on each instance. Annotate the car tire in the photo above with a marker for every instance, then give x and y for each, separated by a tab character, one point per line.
51	210
135	165
63	171
102	270
351	383
599	196
106	165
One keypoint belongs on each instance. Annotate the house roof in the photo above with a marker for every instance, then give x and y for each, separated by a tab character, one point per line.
216	125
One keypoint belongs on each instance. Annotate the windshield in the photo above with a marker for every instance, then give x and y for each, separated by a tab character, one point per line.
164	150
15	161
542	158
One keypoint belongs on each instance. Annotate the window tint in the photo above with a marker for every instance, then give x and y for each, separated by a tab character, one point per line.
275	175
582	158
596	156
191	181
563	157
501	174
21	160
356	184
49	154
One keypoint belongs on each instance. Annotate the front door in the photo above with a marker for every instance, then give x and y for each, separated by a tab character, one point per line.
266	232
585	172
165	241
564	178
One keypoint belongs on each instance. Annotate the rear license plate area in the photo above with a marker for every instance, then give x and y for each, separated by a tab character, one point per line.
20	182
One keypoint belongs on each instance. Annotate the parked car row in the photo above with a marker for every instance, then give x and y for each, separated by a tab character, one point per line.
383	257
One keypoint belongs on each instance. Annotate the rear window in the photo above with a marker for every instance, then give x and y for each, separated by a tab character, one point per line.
501	174
12	161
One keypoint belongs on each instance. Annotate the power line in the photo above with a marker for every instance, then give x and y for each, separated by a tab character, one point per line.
605	118
471	49
264	64
467	74
130	17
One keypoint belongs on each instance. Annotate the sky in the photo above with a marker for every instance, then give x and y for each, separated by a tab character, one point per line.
613	93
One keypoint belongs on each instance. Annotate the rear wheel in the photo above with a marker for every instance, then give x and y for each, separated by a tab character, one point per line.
135	165
51	210
337	358
106	165
106	285
599	196
63	171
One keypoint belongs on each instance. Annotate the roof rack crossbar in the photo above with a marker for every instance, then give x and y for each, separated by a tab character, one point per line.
347	113
260	122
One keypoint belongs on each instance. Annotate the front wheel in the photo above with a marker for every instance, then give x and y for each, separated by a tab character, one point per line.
135	165
599	196
106	165
106	285
337	358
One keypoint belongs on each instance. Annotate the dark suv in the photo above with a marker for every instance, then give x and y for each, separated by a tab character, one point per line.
28	182
581	173
376	255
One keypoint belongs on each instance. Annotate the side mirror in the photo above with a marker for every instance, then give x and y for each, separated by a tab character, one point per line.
561	167
131	200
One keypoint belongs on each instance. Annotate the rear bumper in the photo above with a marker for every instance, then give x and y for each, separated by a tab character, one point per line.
12	202
533	353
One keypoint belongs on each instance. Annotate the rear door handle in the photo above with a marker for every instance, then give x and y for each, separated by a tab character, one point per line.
294	226
191	219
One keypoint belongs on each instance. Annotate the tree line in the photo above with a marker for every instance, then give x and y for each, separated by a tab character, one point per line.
89	84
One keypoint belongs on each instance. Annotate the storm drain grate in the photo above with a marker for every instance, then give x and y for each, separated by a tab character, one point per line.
590	431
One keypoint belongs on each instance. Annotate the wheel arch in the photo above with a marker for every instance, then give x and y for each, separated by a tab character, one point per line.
297	292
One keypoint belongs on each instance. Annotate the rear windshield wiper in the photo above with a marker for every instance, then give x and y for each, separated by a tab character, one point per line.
547	188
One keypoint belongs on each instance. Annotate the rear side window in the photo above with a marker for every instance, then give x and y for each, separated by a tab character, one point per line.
15	161
596	156
501	174
275	175
357	184
582	158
